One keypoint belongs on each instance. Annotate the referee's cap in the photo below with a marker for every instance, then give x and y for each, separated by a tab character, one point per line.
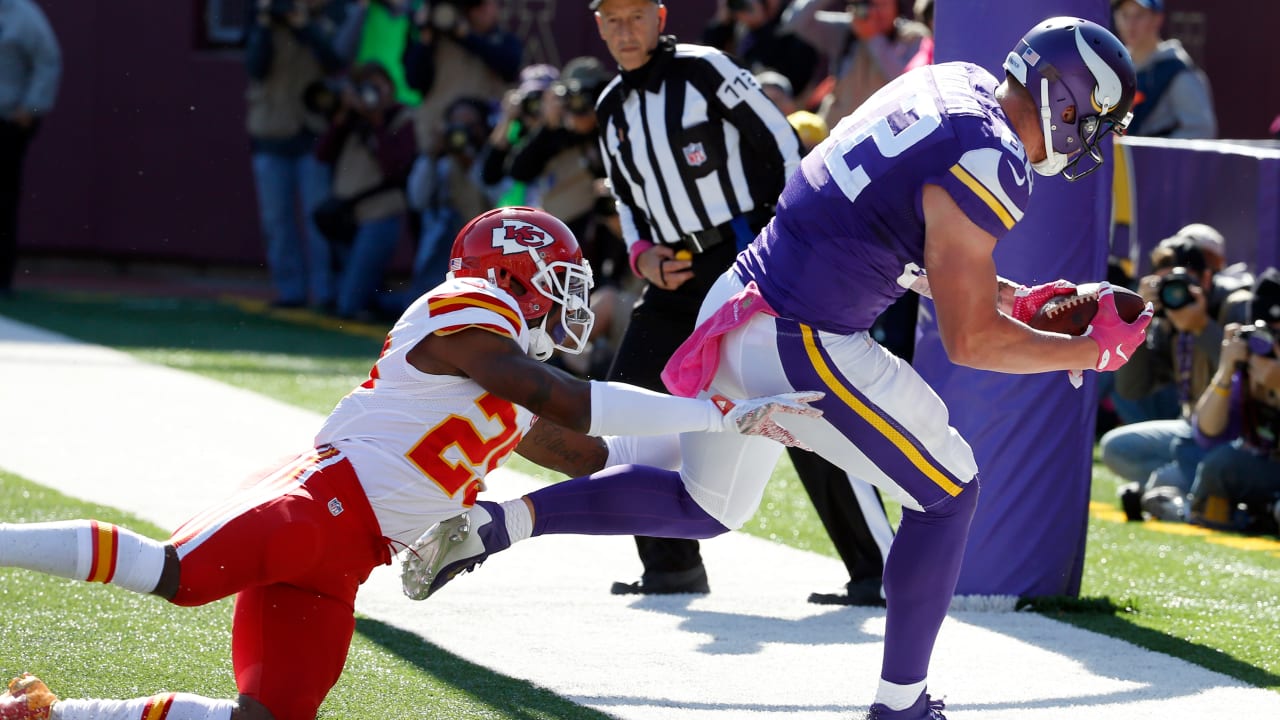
595	4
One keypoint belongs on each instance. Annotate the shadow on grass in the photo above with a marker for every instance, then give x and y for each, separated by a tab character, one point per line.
1119	627
509	697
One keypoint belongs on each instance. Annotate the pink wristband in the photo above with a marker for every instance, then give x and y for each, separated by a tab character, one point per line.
634	253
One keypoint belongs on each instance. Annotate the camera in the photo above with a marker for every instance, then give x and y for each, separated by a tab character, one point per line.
324	97
1175	289
531	104
457	139
370	95
577	99
1259	338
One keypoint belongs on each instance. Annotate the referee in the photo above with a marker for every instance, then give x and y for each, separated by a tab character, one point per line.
696	155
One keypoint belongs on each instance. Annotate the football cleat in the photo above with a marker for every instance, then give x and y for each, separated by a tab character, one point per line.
924	708
452	547
27	698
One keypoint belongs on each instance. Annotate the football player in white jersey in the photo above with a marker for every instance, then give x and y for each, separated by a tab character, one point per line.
458	384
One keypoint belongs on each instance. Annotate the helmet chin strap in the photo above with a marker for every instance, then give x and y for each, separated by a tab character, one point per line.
1053	162
541	346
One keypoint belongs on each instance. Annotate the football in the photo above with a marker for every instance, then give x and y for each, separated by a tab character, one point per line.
1071	314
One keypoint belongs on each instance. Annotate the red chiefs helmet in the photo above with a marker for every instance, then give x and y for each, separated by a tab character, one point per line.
534	257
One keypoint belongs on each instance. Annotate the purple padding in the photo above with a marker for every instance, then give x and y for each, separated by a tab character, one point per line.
1032	435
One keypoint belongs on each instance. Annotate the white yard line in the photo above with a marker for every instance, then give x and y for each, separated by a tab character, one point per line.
96	424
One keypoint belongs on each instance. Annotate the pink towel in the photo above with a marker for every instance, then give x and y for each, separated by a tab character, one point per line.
694	363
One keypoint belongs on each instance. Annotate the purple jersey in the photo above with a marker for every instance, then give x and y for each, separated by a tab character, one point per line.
848	236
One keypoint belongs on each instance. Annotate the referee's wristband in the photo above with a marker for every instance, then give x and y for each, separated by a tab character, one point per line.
637	248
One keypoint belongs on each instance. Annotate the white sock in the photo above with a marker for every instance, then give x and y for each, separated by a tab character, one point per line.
170	706
899	697
84	550
519	519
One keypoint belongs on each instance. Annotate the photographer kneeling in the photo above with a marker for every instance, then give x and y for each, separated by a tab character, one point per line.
1237	420
1158	457
370	145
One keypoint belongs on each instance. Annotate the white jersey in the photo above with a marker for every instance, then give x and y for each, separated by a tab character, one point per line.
421	443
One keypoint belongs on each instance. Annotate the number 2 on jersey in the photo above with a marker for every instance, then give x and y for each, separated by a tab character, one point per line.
477	449
921	117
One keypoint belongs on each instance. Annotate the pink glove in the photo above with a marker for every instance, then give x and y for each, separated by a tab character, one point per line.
1027	300
754	416
1116	338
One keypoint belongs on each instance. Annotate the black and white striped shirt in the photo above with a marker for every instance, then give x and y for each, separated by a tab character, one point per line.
690	142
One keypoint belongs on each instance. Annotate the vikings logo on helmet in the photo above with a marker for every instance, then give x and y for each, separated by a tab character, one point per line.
515	236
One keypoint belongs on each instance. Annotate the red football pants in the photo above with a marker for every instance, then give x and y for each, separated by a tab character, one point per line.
295	544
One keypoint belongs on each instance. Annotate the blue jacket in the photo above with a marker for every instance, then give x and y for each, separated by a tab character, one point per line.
30	60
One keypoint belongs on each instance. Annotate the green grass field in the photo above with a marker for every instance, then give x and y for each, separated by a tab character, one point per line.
1209	598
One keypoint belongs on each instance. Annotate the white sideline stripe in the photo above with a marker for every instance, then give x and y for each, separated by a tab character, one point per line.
163	444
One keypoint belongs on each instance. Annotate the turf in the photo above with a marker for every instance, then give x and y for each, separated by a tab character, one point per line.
101	641
1206	597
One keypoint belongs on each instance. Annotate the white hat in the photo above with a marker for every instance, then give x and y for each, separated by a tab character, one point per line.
1205	237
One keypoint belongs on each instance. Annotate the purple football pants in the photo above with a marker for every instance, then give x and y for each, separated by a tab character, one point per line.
622	500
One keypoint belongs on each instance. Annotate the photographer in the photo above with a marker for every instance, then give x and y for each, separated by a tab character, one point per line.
521	111
370	148
1158	457
457	50
751	30
874	45
560	161
289	47
447	188
1237	420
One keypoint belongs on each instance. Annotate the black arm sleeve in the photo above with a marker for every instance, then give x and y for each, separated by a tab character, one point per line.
419	65
258	50
500	52
530	156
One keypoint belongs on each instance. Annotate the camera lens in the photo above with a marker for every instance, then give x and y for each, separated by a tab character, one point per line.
531	104
1175	295
1175	289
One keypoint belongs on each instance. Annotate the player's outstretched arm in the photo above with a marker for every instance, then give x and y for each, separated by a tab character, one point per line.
498	364
558	448
962	277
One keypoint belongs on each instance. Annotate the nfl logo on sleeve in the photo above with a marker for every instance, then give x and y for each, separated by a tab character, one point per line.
694	154
335	507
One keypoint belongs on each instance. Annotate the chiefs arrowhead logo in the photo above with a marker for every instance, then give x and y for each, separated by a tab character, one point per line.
517	236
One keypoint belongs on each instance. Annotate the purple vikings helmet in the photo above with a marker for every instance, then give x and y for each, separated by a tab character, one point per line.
1082	79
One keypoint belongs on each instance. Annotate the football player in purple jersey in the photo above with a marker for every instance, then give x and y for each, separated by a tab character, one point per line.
911	191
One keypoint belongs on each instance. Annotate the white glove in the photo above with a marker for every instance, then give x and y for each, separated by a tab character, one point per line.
754	416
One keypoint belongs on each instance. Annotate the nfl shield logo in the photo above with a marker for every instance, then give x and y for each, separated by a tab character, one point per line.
694	154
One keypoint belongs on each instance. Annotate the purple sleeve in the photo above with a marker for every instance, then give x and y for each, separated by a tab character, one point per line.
991	183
